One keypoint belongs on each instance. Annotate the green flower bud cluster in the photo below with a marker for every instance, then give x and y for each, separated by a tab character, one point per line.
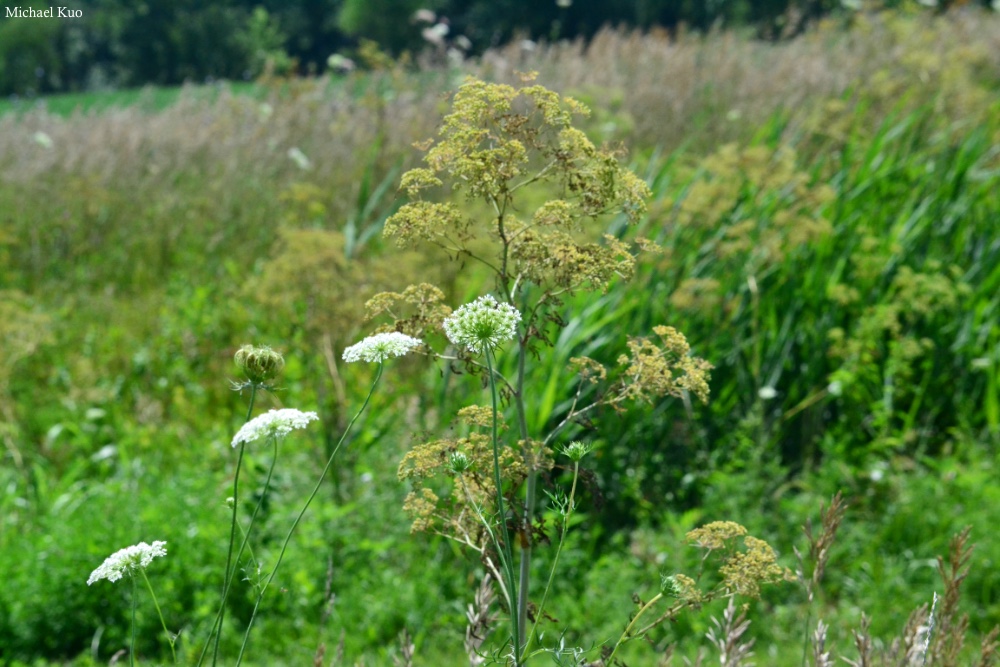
577	450
458	462
259	364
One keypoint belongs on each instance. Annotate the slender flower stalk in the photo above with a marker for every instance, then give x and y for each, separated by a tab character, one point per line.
171	639
256	510
481	326
530	488
576	451
627	634
505	577
508	554
131	648
221	615
273	425
126	563
260	365
374	349
291	531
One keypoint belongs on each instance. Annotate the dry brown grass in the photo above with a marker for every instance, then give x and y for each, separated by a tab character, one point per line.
668	88
720	87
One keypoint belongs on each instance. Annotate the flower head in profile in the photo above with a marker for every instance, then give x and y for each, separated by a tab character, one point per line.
259	363
482	324
127	561
378	348
278	423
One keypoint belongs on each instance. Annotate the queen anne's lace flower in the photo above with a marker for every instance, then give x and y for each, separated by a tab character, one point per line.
380	347
127	561
278	423
482	324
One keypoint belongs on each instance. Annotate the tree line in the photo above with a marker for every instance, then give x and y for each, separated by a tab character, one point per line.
128	43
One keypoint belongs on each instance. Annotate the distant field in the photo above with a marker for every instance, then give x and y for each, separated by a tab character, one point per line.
148	98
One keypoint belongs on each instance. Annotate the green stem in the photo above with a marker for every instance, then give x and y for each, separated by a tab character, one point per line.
260	502
524	577
131	649
555	560
220	617
507	554
493	538
626	636
256	510
288	537
805	641
244	545
170	638
530	491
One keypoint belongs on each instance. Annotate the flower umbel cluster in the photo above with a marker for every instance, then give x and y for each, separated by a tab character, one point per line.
278	423
127	561
482	324
378	348
743	570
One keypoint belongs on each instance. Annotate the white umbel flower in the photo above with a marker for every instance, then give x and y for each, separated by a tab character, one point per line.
278	423
378	348
482	324
767	393
127	561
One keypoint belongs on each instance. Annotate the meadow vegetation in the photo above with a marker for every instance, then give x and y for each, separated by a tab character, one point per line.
820	225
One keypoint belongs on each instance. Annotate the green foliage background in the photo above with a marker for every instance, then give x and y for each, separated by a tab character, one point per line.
835	257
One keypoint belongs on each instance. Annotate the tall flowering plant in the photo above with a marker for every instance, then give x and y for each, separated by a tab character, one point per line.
260	367
274	425
533	186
